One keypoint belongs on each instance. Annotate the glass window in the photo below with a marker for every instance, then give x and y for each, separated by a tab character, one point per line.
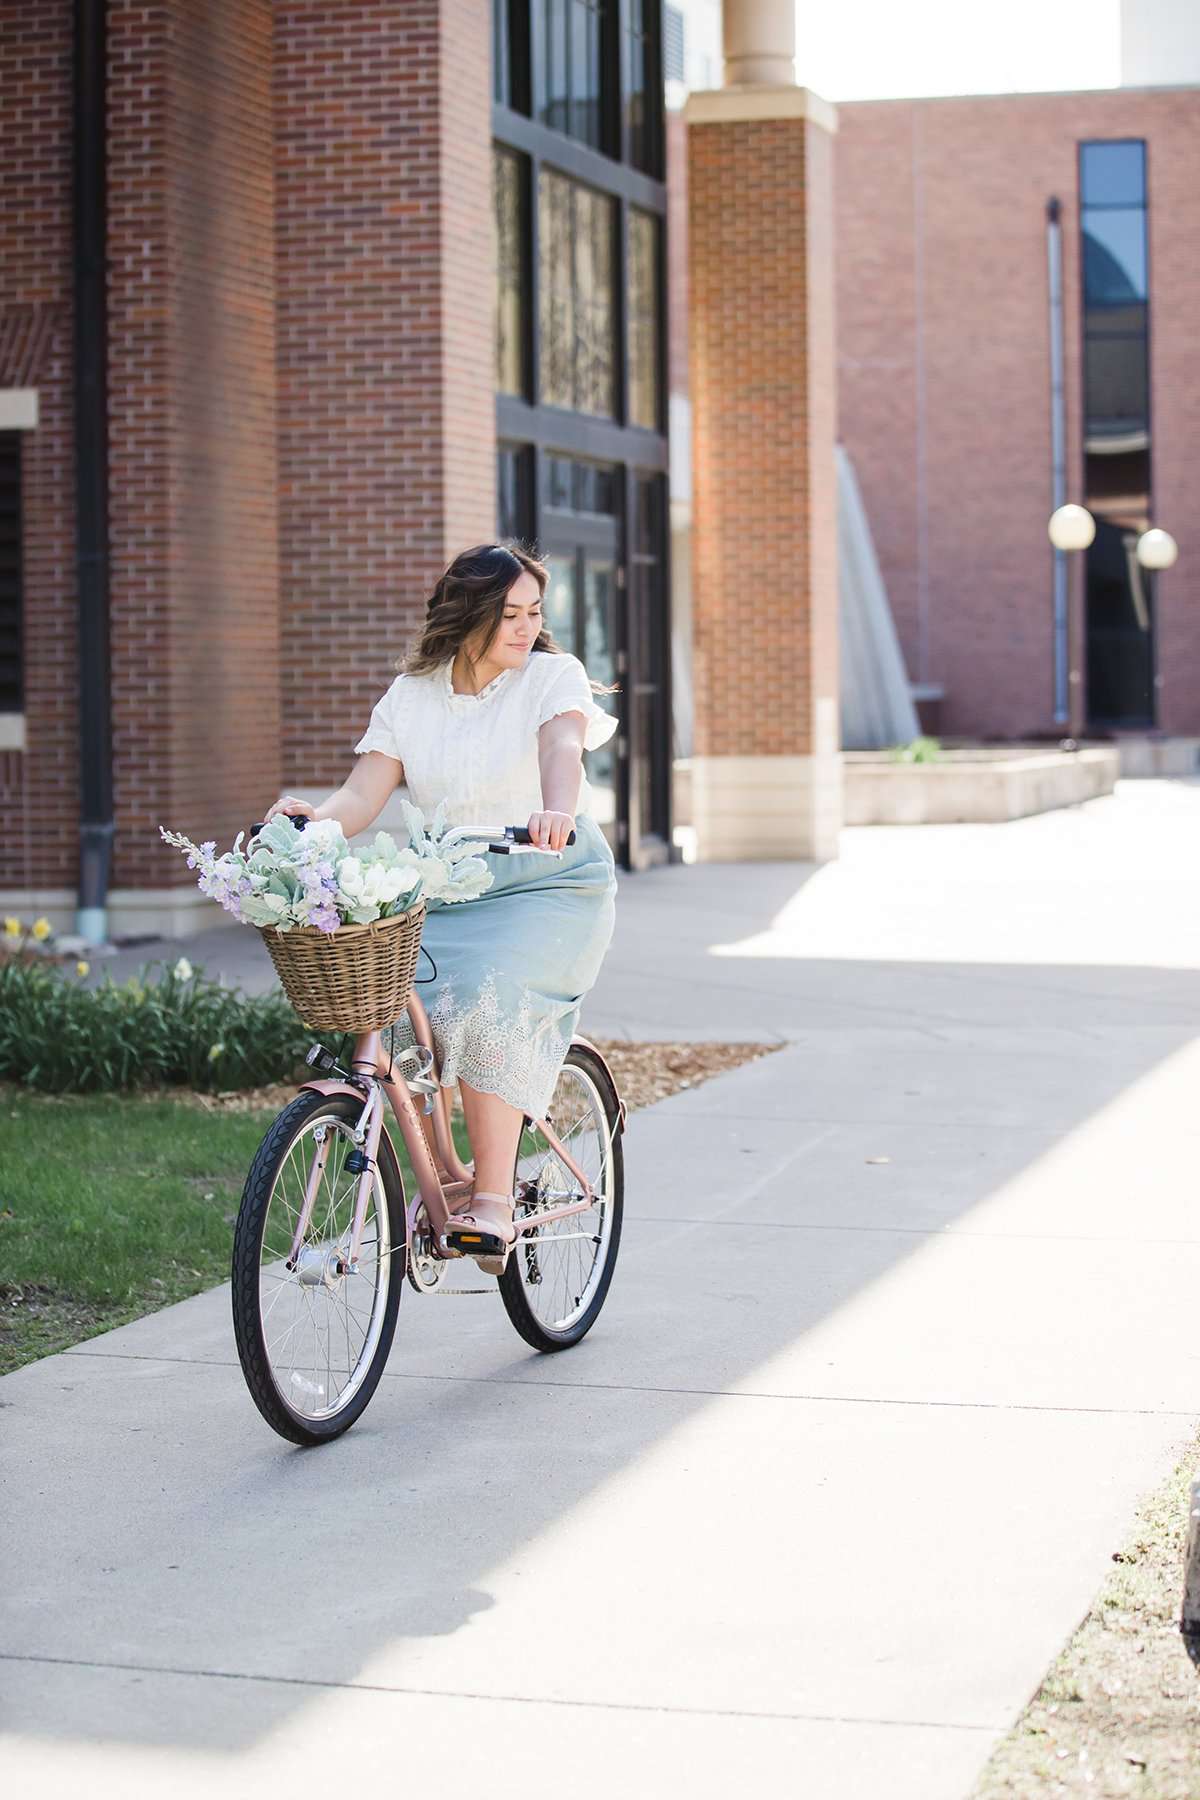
570	35
1114	256
1113	174
512	491
558	602
10	571
582	487
501	65
643	109
1116	390
509	215
576	296
599	606
646	708
643	320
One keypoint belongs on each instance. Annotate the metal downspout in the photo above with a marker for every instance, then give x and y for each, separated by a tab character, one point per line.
91	469
1058	458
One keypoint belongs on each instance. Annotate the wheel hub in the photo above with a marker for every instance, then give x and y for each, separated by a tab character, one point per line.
321	1265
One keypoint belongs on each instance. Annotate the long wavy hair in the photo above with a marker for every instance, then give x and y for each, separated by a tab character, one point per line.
468	603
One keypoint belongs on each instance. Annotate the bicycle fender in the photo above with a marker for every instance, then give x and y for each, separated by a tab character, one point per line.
333	1087
603	1061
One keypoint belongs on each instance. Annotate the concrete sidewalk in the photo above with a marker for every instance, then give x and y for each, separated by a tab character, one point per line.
898	1335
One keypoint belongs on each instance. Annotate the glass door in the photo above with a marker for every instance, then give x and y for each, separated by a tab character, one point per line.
580	604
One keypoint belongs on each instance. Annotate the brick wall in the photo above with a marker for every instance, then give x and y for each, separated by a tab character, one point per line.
762	395
943	373
39	789
386	425
195	633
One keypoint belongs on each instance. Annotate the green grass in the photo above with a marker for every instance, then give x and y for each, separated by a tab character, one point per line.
112	1207
109	1209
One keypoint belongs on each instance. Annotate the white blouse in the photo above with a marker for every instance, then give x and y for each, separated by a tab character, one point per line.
479	752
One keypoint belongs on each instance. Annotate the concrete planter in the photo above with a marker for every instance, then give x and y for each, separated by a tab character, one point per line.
980	786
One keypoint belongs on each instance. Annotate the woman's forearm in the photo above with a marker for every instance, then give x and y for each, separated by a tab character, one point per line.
351	810
561	770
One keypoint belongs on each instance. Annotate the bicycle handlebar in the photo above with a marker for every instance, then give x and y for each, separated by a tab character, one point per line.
509	835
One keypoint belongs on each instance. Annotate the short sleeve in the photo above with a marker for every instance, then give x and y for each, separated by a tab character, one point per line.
569	690
383	732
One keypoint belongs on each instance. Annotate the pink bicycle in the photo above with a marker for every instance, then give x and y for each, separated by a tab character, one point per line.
325	1233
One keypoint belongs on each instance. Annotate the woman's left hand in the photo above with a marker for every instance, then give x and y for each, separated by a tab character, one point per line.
550	830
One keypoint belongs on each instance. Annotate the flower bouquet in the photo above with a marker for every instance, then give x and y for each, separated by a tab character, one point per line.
343	927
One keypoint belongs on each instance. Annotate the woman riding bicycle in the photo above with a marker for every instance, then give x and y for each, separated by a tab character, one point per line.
491	716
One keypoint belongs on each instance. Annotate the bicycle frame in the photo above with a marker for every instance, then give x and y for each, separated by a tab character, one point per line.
437	1190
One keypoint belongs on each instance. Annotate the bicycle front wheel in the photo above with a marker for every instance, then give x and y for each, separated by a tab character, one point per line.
313	1338
557	1276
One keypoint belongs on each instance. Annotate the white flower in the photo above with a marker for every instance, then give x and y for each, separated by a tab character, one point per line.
183	969
323	832
350	876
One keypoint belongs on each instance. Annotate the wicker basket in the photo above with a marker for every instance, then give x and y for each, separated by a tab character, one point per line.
357	978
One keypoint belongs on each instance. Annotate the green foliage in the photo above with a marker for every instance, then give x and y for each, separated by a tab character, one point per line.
921	750
154	1030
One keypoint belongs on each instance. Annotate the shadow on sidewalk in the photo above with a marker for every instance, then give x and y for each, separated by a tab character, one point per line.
163	1528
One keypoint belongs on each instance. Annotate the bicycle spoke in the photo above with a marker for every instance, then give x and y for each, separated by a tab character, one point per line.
321	1340
562	1261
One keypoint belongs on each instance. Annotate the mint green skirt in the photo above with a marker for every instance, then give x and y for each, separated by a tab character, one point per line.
513	967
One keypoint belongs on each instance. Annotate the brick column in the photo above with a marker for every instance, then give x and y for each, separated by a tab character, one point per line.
193	483
386	387
766	769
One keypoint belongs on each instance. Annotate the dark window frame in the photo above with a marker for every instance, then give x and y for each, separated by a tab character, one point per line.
12	598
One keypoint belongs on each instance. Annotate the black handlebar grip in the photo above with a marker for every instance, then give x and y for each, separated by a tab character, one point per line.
520	835
299	820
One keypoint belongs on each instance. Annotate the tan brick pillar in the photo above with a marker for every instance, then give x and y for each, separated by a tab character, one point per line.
766	769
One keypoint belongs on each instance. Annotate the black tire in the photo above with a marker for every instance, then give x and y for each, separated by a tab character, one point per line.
514	1282
268	1162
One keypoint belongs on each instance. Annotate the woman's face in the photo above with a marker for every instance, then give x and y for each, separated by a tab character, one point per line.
519	625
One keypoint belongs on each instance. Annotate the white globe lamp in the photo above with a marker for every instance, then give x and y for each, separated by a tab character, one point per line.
1071	527
1157	549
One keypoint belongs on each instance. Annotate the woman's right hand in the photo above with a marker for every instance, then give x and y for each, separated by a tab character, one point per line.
287	803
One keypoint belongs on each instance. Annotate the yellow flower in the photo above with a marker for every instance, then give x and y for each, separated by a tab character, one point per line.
81	968
13	927
42	929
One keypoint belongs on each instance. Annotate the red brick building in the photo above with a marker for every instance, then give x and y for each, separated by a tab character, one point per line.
259	266
944	393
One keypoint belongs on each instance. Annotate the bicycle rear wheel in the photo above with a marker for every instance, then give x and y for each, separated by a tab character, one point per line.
313	1339
557	1277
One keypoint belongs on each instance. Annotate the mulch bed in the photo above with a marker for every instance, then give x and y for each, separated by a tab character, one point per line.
1119	1712
644	1073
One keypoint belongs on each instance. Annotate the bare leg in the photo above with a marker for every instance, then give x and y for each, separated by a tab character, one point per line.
494	1128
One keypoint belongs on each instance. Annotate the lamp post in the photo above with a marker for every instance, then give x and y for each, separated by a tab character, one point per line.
1070	527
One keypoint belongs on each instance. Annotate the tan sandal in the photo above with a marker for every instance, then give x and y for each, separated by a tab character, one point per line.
486	1232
